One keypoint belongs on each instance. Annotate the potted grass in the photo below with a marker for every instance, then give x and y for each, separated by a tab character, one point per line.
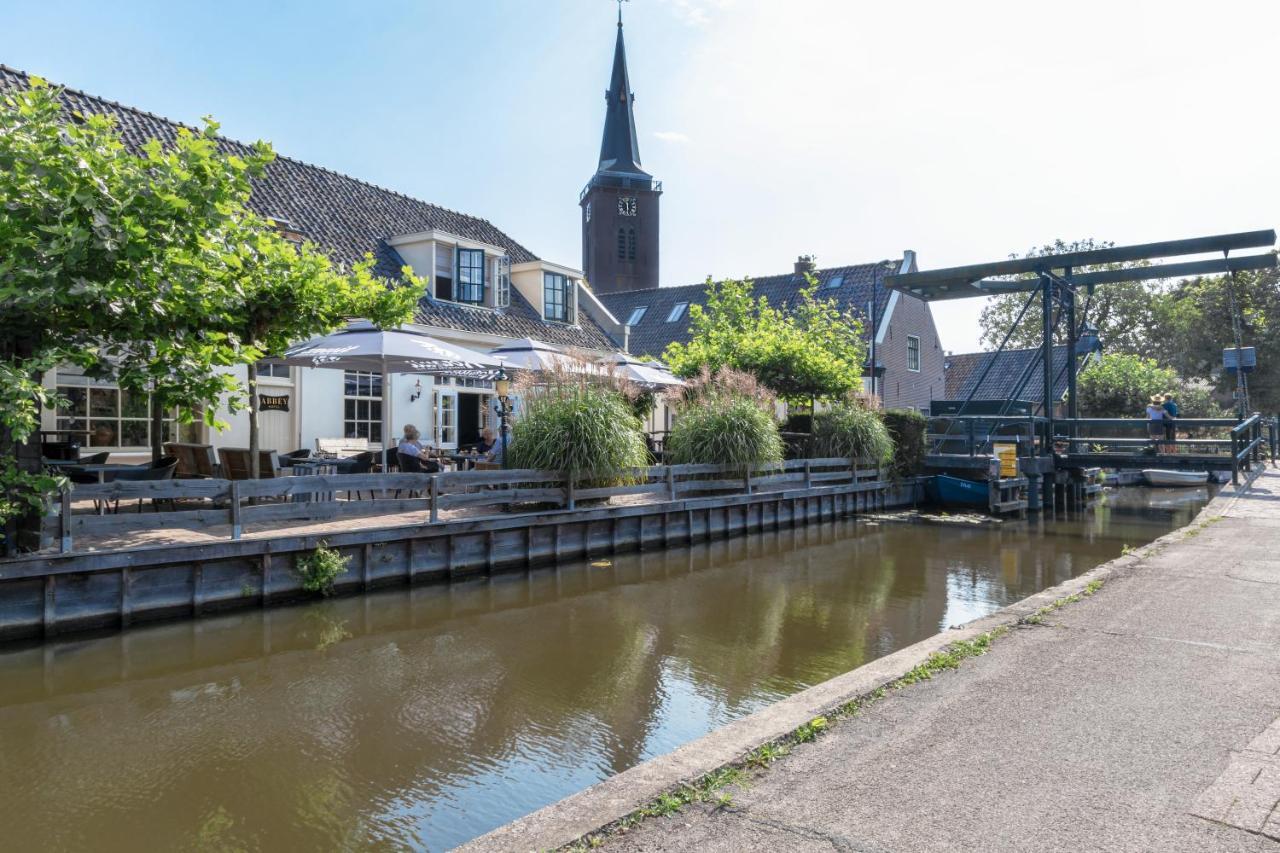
725	418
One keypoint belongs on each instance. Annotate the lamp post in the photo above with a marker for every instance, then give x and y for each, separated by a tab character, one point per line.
502	385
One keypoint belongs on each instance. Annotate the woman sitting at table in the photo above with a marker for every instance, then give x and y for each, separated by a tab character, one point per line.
413	455
486	443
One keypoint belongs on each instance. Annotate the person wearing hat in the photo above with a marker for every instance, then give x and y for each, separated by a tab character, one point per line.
1170	407
1156	416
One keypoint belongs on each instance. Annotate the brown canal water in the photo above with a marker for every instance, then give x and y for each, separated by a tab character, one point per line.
420	718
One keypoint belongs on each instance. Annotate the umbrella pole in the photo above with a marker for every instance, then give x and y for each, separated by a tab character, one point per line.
386	416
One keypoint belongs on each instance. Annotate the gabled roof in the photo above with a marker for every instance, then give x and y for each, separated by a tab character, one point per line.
348	218
1008	369
849	286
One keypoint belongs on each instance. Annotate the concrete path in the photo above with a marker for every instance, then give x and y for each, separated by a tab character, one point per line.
1143	718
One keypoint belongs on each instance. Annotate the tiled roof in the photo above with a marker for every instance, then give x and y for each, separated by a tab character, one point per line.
964	370
348	218
652	333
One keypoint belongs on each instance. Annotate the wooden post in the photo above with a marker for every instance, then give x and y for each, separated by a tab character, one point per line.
50	594
126	588
746	480
64	522
235	509
197	578
266	577
435	498
808	474
366	565
671	484
569	501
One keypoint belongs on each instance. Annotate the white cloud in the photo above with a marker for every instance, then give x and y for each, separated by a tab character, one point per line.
671	136
696	13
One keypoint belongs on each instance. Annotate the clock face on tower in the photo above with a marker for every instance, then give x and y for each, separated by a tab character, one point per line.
626	206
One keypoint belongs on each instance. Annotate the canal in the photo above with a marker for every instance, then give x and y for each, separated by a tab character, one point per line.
420	718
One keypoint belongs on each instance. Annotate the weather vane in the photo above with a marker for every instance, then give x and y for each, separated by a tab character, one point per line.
620	2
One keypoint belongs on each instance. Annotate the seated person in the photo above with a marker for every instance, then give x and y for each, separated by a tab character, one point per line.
486	443
412	452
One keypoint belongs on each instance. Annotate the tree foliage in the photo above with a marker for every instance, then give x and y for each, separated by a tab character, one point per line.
1122	312
808	348
1119	385
143	267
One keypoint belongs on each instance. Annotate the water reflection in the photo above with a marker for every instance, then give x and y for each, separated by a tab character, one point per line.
420	718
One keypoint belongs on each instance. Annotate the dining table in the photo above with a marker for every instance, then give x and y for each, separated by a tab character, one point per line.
101	471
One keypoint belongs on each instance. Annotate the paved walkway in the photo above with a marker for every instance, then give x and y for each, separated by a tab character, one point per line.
1143	718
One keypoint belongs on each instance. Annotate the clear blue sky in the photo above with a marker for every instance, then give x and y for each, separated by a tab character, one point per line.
849	130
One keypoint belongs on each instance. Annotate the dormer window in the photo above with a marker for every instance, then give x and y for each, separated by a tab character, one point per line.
637	314
555	294
502	282
471	276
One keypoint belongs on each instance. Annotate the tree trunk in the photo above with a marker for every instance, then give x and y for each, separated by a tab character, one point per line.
157	428
254	463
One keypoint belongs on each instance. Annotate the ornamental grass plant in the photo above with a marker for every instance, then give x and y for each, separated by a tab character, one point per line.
726	418
850	429
579	423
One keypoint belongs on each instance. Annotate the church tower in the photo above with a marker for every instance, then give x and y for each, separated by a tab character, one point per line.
620	202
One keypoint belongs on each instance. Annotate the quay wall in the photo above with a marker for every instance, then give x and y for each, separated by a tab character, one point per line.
46	595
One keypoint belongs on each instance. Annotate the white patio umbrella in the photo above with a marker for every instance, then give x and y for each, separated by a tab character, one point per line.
528	354
650	374
363	346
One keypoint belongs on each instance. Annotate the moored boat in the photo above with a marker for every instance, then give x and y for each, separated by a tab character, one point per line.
956	490
1158	477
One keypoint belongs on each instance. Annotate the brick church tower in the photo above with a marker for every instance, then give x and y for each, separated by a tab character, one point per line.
620	202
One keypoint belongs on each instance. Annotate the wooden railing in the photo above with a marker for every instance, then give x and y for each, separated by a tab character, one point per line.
87	510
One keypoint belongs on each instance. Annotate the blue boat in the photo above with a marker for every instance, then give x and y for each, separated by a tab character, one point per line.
948	490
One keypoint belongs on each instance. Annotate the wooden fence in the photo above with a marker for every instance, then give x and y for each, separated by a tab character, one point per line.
201	504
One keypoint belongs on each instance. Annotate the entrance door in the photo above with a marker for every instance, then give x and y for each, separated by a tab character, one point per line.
277	430
446	419
469	419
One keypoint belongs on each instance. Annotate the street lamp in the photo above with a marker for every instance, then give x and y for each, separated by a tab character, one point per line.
502	385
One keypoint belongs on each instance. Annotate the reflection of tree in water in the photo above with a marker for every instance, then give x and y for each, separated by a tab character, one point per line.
373	720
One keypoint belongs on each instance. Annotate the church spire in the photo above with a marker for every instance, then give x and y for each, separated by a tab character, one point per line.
619	149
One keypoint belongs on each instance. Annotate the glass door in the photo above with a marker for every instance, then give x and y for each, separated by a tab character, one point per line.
446	419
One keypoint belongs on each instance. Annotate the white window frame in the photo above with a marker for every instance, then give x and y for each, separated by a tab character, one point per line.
444	413
351	425
916	339
502	282
65	421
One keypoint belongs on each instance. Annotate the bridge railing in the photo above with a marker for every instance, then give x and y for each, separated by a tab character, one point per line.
970	435
1247	442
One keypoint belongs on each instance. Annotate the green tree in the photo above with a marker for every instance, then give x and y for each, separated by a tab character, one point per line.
1119	385
1122	312
134	266
1193	326
804	350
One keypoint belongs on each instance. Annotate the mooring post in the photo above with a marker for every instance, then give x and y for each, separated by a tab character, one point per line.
435	498
808	474
671	484
569	501
235	509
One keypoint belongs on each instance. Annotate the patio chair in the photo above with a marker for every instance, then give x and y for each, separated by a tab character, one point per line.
96	458
287	459
161	469
194	460
235	463
361	463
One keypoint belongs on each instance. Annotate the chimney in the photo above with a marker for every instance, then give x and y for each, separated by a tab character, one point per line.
806	263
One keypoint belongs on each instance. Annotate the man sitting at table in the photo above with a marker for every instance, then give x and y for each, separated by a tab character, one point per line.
413	455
